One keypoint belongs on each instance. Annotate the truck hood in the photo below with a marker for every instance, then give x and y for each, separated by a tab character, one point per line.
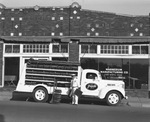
111	82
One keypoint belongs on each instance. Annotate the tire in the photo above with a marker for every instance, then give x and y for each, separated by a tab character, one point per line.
113	98
40	94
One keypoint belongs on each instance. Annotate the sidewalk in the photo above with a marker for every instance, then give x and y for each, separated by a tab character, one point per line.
137	102
6	95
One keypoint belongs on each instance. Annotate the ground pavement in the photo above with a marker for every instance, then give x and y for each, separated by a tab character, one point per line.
6	95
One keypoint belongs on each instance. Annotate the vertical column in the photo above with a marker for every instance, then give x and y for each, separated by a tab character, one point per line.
1	63
74	19
149	64
149	72
74	51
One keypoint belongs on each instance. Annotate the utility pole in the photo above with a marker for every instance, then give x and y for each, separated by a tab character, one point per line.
149	62
149	71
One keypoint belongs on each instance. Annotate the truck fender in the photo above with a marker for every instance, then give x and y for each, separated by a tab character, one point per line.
103	92
44	86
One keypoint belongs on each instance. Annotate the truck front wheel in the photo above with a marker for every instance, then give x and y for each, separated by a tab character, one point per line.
113	98
40	94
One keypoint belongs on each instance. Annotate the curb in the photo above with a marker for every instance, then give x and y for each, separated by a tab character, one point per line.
146	105
5	98
136	104
5	95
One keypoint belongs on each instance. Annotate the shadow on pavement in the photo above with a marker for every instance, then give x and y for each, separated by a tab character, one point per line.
2	119
20	97
64	99
89	101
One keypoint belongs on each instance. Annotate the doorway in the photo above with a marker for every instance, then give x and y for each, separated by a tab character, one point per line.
11	71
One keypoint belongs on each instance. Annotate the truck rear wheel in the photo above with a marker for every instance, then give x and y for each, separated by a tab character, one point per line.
40	94
113	98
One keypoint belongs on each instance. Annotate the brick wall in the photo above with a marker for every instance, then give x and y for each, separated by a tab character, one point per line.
69	21
109	24
74	51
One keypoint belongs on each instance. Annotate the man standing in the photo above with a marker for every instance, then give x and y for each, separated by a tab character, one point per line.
74	85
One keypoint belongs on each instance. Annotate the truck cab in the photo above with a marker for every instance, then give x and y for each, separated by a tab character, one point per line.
92	84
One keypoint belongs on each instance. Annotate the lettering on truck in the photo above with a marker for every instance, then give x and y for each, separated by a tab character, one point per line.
91	86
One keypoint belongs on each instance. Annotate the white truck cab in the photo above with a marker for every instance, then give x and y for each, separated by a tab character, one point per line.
38	79
92	84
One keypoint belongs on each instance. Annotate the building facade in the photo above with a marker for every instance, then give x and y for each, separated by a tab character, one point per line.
116	45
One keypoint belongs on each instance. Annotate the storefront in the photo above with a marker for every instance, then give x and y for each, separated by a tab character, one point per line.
134	72
127	62
118	47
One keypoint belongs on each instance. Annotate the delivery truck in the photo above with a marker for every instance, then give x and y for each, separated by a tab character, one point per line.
40	79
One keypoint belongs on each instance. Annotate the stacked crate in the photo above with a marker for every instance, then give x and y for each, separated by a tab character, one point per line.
46	72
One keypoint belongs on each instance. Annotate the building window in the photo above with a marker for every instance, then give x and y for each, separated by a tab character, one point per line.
96	34
87	48
114	49
61	18
60	48
12	48
53	34
135	49
53	18
141	34
36	48
128	70
61	34
11	34
140	49
144	49
88	34
131	34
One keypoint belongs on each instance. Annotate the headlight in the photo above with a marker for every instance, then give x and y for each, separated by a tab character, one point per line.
121	85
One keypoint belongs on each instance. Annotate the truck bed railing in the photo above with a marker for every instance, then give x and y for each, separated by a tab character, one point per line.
47	72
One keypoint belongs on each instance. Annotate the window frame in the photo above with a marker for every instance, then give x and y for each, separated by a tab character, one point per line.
140	50
61	47
88	48
114	49
12	48
35	48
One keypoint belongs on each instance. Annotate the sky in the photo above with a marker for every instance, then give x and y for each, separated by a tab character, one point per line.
129	7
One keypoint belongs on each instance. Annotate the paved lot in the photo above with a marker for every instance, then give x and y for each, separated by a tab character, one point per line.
6	95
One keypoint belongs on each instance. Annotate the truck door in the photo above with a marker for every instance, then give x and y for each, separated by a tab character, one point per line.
90	84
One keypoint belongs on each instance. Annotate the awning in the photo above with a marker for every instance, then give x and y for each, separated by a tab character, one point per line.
116	40
82	39
26	39
40	39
